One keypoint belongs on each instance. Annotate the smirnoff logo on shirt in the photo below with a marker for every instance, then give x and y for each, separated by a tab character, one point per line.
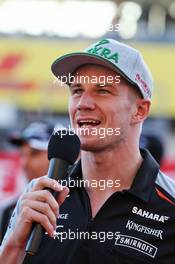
149	215
136	244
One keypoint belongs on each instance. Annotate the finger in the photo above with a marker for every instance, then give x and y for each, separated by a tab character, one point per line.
45	182
62	195
43	208
29	216
41	196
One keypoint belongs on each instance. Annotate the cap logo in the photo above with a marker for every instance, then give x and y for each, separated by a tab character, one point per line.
142	83
106	53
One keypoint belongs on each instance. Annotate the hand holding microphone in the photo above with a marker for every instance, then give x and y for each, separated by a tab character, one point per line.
62	152
39	207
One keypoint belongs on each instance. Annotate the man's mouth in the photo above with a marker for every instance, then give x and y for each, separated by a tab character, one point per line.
83	123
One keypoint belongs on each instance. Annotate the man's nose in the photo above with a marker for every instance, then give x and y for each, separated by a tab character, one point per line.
86	102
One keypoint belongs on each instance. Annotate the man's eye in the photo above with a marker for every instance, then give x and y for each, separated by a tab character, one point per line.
103	91
77	91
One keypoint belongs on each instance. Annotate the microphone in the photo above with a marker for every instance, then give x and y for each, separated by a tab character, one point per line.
63	150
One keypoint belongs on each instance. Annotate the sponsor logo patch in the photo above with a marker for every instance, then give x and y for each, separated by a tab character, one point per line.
144	229
136	244
63	216
102	51
149	215
144	85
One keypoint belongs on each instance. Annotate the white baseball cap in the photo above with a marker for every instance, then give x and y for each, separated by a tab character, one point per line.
115	55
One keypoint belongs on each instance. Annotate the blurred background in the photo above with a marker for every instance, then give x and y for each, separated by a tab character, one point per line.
34	33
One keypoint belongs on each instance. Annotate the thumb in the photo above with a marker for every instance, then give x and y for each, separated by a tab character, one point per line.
62	195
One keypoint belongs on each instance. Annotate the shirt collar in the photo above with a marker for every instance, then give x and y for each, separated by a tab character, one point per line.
144	180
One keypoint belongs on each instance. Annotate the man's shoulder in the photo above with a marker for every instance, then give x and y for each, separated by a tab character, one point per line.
166	184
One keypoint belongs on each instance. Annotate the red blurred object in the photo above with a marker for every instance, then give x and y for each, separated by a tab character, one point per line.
10	172
168	167
11	61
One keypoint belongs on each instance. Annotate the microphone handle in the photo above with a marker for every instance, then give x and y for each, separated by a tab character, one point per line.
57	171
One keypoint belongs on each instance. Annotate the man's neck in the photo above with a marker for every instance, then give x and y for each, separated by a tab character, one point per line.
117	166
114	164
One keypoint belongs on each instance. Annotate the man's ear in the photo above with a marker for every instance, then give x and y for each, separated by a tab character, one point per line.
141	111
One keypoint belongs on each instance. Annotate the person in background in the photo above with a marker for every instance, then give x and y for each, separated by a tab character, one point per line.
154	144
32	143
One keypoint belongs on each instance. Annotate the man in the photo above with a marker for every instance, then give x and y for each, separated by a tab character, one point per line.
130	222
32	143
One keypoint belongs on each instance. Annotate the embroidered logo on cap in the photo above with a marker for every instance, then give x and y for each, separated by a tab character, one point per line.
107	53
144	85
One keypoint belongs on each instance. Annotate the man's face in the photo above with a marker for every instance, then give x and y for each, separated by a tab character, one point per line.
34	162
100	105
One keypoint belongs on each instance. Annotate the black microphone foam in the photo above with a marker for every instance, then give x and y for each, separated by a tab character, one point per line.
65	145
